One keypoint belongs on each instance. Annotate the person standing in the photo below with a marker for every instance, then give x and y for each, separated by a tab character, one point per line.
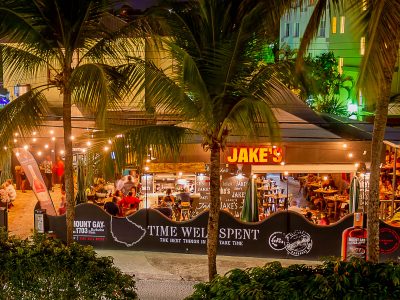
48	167
60	170
128	186
23	181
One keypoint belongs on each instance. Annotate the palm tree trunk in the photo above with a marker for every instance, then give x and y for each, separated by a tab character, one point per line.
215	204
68	175
376	151
381	113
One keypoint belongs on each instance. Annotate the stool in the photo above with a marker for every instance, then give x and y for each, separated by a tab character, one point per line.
185	211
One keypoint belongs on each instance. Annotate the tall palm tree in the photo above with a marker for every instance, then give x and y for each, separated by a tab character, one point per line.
217	87
70	39
380	20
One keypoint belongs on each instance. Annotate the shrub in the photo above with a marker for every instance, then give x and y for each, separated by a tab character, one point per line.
333	279
47	269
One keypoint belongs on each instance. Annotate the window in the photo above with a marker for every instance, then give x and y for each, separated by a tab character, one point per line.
287	30
296	29
342	21
321	31
362	45
334	25
340	65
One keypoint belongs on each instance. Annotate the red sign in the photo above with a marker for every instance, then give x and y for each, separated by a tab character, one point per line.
255	155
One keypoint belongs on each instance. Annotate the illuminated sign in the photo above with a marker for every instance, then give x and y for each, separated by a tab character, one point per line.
255	155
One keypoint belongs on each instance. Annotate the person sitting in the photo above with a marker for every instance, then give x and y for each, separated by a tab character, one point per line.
324	220
128	200
112	207
4	198
127	186
12	193
168	200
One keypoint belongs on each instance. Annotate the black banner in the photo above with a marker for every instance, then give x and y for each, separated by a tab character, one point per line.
282	235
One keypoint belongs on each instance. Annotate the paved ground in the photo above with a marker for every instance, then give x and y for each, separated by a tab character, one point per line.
20	217
171	275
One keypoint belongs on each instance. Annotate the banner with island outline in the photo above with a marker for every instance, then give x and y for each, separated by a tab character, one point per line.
282	235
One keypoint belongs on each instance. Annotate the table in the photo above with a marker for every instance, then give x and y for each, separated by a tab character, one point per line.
336	200
322	191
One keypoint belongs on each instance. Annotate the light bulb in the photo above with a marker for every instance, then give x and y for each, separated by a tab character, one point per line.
72	137
17	153
62	152
34	139
51	132
344	146
15	140
350	155
282	163
106	148
46	146
5	147
39	153
53	138
34	133
110	142
26	147
286	173
88	143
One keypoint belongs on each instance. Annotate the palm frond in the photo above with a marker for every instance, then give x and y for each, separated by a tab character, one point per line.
97	88
25	114
132	145
382	40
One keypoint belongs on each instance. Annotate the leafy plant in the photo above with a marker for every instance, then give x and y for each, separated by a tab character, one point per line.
44	268
333	279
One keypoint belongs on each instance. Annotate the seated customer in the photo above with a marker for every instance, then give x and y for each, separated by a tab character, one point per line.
168	200
112	207
128	200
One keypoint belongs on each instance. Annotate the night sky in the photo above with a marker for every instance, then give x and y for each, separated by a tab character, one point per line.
140	4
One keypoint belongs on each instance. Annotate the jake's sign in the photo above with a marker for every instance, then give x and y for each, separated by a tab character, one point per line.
255	155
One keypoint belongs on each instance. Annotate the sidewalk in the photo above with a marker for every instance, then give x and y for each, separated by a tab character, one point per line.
172	276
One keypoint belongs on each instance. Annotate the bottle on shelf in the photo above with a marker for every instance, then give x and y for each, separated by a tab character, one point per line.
354	240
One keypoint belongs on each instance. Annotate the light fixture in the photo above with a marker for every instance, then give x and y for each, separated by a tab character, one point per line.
325	178
17	154
344	146
286	173
109	141
15	140
39	153
273	146
350	155
62	152
88	143
106	148
72	137
254	176
365	152
146	168
34	140
148	160
5	147
51	132
16	134
34	133
150	149
356	165
46	146
239	176
83	150
53	138
26	147
52	150
180	174
282	163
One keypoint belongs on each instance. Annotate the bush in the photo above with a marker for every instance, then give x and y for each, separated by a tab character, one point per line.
333	279
47	269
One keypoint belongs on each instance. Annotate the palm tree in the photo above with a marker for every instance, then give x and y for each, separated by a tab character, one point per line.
69	39
379	20
217	87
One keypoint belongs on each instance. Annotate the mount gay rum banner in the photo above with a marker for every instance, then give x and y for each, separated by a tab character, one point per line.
32	172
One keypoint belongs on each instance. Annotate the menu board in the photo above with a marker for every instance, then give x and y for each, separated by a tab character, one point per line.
233	192
147	183
203	188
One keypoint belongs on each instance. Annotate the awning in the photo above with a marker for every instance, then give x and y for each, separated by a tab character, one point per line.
305	168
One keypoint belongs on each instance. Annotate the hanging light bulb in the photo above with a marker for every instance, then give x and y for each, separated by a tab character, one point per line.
5	147
34	140
46	146
34	133
88	143
51	132
72	137
62	152
26	147
15	140
39	153
109	141
106	148
53	138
